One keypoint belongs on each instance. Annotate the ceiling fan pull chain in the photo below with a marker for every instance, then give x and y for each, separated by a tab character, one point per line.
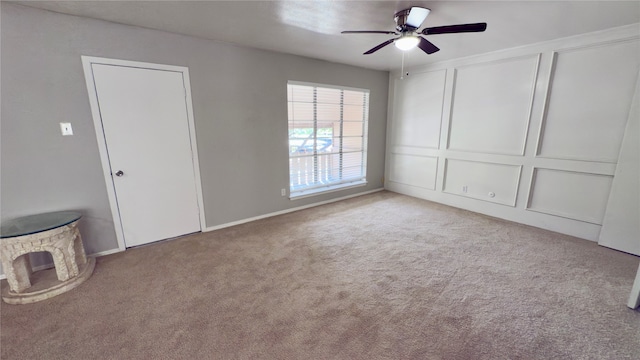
402	68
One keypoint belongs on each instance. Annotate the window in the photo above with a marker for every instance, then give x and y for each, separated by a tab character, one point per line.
327	137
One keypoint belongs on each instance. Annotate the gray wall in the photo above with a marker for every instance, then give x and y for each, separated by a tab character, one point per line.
239	100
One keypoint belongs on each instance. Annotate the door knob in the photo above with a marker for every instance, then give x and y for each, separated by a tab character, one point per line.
119	173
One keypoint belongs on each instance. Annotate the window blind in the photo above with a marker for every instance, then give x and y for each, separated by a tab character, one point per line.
327	137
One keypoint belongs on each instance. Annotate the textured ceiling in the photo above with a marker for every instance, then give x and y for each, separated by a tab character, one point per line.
312	28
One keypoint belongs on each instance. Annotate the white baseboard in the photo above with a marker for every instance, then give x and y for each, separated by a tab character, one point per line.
282	212
105	253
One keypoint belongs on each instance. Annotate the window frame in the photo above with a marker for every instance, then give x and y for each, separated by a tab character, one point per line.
318	189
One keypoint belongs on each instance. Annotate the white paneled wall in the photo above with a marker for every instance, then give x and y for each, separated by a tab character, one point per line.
530	134
621	225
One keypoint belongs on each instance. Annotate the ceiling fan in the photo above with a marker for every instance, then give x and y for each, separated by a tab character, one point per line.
407	23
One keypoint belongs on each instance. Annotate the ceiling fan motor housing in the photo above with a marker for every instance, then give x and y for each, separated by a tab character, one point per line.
401	21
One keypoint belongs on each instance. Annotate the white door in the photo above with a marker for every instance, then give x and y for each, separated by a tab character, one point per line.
146	129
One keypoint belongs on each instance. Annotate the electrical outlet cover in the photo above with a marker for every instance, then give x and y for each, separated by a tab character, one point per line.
66	129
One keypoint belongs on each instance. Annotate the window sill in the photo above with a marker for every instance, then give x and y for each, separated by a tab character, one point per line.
324	190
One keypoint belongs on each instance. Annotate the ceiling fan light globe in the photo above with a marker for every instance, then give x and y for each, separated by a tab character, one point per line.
407	42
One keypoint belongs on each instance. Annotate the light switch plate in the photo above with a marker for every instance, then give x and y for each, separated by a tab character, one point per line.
66	129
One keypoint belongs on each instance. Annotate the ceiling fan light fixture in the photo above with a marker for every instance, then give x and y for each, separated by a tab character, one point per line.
407	42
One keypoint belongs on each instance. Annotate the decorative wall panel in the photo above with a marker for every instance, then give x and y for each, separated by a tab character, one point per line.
414	170
492	106
496	183
574	195
589	101
418	114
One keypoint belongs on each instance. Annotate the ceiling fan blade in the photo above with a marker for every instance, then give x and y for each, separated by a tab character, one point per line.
452	29
426	46
379	46
369	32
416	16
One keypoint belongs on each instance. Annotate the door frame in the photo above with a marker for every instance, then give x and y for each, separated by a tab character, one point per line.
87	61
634	297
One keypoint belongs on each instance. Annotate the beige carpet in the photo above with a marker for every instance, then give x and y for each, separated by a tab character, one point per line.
383	276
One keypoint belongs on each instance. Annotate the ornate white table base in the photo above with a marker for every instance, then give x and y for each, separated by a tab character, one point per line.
71	264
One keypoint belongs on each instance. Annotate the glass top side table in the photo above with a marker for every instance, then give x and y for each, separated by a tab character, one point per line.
56	233
37	223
